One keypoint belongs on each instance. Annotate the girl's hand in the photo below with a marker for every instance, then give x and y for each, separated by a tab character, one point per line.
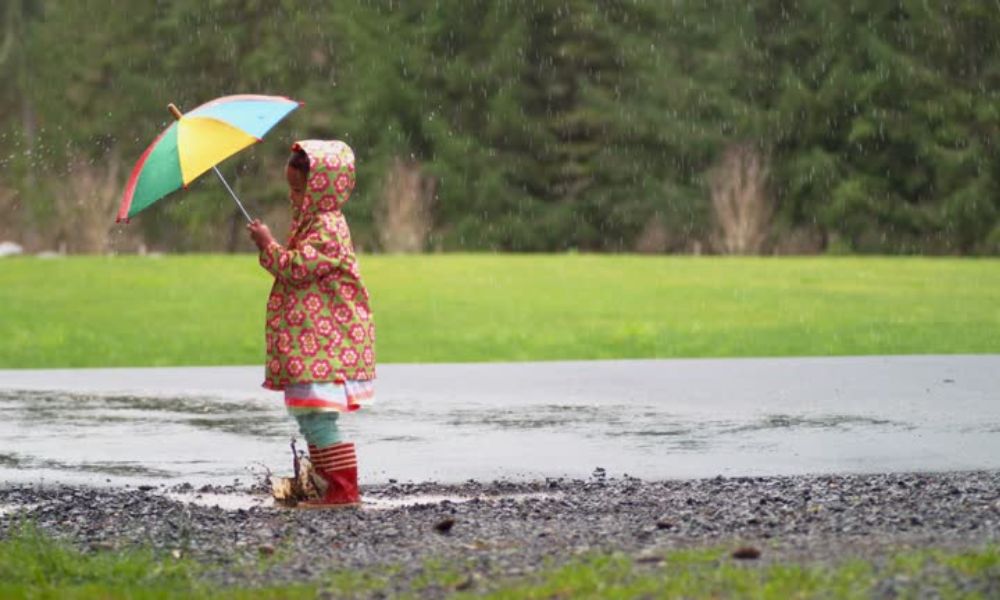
260	234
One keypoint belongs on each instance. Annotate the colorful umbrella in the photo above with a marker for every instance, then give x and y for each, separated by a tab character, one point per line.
196	142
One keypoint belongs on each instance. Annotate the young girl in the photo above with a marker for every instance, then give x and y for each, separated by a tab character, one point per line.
319	332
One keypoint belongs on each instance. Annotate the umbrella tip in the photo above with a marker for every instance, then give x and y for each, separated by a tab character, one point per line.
175	111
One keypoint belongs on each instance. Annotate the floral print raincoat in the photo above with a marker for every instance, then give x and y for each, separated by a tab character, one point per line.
319	324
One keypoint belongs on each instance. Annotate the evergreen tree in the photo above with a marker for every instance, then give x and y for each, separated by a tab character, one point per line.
550	125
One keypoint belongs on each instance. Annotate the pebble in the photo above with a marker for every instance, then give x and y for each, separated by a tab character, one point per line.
444	526
746	553
501	535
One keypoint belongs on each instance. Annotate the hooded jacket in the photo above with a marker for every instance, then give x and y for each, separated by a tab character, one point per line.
319	324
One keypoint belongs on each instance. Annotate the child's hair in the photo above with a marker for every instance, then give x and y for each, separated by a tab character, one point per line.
299	161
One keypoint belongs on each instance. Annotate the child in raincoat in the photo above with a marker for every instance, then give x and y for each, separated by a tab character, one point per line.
319	331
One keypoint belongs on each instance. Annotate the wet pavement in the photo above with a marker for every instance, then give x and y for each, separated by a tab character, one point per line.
653	419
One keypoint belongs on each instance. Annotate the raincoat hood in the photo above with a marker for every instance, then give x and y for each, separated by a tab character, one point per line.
331	176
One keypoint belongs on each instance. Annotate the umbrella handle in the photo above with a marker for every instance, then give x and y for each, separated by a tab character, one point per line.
233	194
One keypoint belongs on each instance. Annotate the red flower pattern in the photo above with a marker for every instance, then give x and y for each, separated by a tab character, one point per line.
357	333
342	313
285	342
331	248
275	301
349	356
300	272
296	318
320	369
307	343
313	303
342	183
319	182
324	326
295	366
348	291
361	309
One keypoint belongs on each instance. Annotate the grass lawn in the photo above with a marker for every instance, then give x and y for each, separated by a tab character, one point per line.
209	310
33	566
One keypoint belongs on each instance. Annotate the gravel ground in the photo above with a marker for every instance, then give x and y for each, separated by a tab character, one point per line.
510	528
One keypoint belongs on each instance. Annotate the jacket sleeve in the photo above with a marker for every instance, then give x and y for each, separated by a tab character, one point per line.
316	256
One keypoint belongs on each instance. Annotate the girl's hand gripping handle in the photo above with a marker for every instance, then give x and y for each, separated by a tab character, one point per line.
260	234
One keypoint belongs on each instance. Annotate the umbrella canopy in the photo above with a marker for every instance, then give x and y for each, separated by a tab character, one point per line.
196	142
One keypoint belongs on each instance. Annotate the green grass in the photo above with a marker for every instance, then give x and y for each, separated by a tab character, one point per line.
711	574
208	310
33	566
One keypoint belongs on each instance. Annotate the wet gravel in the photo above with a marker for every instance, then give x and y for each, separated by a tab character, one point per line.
508	529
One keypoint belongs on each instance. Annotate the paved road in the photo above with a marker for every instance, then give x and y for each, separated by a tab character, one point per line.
649	418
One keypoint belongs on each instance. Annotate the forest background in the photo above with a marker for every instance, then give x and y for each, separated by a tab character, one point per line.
691	126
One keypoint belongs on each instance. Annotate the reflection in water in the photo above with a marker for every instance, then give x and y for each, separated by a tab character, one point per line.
265	426
64	405
656	429
538	417
114	468
92	437
820	422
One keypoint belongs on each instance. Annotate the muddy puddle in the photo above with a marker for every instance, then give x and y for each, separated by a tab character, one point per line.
450	423
246	501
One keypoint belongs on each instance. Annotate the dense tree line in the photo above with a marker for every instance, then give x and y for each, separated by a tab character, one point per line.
692	125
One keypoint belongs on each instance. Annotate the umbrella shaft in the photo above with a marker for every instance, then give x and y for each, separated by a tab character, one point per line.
233	194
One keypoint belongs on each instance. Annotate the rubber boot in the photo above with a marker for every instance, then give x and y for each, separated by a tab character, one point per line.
337	466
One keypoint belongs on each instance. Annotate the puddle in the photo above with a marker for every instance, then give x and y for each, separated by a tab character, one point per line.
234	502
546	416
231	502
377	503
10	509
796	422
109	468
451	423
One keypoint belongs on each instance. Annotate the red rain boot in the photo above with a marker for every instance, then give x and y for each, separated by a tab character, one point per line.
336	465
